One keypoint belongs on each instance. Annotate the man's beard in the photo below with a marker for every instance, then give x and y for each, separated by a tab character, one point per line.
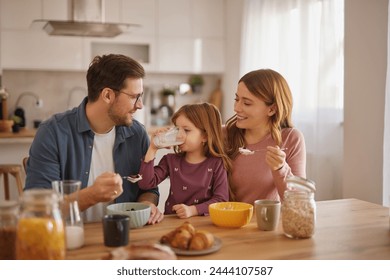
118	119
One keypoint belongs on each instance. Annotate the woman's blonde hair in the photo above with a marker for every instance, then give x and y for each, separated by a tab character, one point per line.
207	118
269	86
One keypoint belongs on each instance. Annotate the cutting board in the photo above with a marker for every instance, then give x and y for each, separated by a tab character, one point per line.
216	96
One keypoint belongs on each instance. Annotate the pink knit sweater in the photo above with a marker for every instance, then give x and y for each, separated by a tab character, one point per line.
253	179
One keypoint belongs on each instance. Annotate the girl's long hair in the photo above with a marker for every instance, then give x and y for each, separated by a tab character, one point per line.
269	86
207	118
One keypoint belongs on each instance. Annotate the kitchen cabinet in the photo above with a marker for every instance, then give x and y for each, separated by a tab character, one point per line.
191	41
26	46
142	13
18	14
36	51
141	48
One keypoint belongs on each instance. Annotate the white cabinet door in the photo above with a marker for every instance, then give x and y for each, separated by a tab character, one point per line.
208	18
191	36
142	13
174	18
19	14
213	56
176	55
37	50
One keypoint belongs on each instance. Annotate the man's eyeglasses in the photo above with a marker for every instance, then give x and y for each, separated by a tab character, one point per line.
134	98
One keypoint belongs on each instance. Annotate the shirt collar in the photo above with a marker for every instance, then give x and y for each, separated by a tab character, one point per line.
83	124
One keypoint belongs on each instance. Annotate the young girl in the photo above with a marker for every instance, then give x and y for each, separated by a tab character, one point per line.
198	168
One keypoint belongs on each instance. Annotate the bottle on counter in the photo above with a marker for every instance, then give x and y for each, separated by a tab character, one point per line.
40	232
9	213
299	208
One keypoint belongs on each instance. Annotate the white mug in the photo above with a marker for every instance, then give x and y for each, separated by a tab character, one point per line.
267	214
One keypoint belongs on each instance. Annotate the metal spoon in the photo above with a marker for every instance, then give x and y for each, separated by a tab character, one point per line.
246	152
133	178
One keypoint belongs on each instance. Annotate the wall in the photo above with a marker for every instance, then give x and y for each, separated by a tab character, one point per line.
365	81
54	88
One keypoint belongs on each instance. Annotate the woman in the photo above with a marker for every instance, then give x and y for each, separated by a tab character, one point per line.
262	123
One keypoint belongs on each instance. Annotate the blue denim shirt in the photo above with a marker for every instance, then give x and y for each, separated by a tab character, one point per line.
62	149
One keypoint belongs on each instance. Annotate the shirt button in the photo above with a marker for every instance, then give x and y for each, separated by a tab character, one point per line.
184	188
196	201
90	147
86	172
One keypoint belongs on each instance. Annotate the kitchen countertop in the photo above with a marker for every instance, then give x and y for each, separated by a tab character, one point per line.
24	132
25	135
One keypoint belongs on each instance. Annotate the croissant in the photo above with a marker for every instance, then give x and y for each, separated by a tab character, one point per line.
189	227
167	238
201	240
186	237
181	239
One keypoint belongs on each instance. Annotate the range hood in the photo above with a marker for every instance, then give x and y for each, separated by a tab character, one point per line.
87	19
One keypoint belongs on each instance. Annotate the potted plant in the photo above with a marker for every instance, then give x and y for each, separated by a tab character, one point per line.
196	82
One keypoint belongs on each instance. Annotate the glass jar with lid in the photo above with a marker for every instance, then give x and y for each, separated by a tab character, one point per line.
9	211
299	208
40	233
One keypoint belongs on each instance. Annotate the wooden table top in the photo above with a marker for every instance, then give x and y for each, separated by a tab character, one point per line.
345	229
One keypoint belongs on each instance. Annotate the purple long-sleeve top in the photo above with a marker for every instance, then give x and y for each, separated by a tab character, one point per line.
192	184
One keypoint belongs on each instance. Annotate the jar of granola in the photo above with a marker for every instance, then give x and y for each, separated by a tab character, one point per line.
40	232
299	208
9	211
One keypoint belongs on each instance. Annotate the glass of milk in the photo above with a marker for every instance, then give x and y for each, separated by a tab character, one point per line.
172	137
74	226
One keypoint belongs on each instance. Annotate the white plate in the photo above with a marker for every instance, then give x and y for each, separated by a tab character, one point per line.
216	246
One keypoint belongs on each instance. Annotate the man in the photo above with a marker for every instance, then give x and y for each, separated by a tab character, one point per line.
97	142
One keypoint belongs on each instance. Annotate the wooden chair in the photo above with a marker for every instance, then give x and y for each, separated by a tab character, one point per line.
15	170
25	164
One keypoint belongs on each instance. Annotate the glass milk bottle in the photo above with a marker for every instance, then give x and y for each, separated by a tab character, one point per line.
299	208
9	213
74	226
40	233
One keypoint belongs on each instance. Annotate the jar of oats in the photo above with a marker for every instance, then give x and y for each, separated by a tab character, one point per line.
40	233
299	208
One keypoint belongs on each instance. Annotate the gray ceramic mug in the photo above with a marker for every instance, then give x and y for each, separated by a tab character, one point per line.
267	214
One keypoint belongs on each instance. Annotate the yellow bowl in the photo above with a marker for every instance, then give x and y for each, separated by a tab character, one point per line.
231	214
